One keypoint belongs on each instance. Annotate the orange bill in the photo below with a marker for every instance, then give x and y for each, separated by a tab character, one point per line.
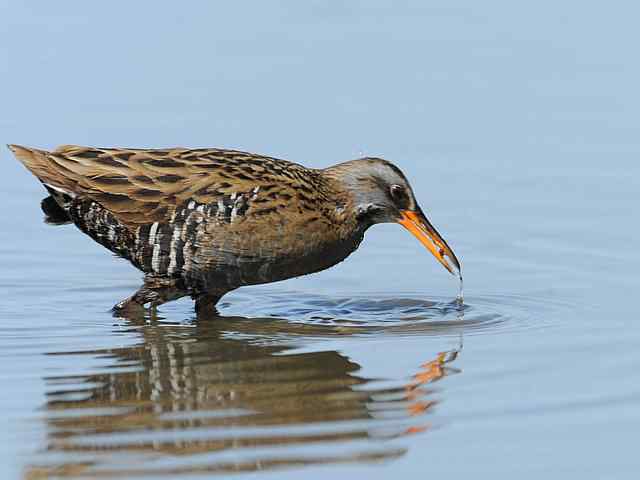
419	226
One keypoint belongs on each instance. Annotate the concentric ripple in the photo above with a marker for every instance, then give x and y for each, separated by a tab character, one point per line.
241	392
411	314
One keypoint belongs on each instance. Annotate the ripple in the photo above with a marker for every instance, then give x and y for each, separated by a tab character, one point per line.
201	398
245	392
317	315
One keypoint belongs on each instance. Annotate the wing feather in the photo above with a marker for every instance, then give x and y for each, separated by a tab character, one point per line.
147	186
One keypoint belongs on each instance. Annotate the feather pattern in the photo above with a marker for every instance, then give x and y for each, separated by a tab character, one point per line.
211	219
205	221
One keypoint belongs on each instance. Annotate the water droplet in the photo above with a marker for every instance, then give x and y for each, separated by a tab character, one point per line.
460	297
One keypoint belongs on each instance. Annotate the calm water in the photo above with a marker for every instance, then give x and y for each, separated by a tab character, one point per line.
518	126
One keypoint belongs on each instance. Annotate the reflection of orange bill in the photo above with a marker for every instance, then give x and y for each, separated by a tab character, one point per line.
418	225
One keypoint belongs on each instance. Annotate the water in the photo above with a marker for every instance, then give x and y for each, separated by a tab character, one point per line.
460	296
517	126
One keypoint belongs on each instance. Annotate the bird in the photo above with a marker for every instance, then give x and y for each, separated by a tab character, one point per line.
202	222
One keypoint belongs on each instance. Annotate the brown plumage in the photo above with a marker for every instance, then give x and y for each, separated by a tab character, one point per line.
203	222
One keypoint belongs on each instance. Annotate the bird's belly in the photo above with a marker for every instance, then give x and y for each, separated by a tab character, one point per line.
233	271
285	267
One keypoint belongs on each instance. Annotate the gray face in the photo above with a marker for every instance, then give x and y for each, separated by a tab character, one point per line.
382	194
380	189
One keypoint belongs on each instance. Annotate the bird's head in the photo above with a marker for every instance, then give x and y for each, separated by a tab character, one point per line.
381	194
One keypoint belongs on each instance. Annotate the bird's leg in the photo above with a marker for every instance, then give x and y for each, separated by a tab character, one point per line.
206	302
131	305
154	292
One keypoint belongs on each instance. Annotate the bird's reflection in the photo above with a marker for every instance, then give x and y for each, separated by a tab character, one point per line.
227	396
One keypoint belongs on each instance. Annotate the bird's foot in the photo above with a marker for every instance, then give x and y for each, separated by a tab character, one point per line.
129	308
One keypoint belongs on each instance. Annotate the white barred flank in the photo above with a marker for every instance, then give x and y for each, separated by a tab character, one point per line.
152	233
155	260
173	248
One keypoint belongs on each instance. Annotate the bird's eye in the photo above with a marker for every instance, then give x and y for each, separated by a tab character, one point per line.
397	190
400	196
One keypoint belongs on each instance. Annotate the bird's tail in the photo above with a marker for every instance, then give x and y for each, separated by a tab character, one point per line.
60	186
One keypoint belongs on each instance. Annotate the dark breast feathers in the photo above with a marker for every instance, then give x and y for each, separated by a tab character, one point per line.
214	218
